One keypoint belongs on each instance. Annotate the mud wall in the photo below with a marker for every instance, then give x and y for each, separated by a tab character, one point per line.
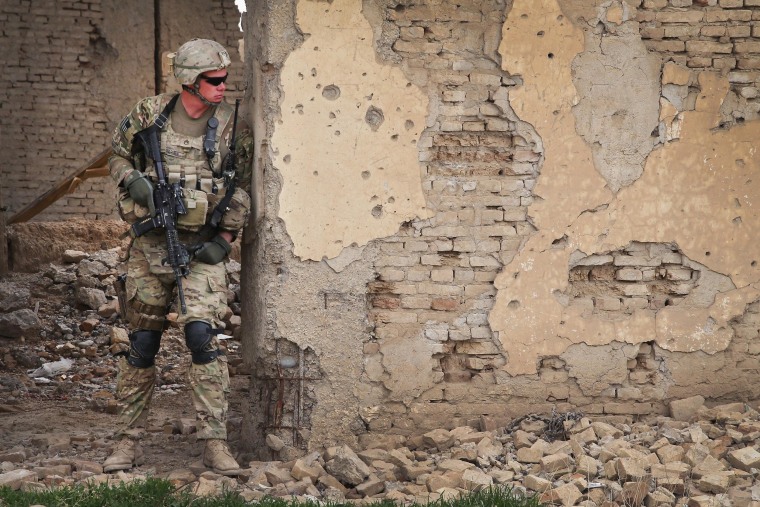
469	211
71	72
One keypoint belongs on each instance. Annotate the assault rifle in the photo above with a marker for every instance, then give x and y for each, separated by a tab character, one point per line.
167	198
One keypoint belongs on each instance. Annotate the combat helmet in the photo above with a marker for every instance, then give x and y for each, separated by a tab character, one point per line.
195	57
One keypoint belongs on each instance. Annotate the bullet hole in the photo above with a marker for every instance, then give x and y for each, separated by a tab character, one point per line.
737	221
313	72
555	112
315	173
364	74
408	124
408	85
316	48
337	133
707	254
550	55
374	117
740	163
299	108
365	175
560	17
394	137
286	159
300	75
332	116
318	86
377	211
737	203
523	16
373	198
753	263
331	92
540	33
513	305
381	168
391	200
369	97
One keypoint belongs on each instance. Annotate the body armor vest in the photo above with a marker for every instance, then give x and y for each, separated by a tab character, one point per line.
186	162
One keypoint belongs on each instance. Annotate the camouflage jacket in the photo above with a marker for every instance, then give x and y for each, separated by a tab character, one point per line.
124	161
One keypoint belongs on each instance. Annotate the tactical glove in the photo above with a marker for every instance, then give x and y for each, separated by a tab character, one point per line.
140	189
214	251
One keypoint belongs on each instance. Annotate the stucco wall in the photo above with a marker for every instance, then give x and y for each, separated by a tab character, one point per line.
469	211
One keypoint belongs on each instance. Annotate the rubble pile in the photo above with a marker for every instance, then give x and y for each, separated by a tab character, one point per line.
712	461
61	326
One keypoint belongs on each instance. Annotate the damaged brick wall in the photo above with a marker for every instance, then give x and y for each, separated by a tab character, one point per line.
72	70
585	239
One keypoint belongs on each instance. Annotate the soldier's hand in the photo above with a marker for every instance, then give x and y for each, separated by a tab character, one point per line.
213	251
140	190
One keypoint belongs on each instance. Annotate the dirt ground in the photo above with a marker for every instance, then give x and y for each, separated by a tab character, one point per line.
37	425
72	414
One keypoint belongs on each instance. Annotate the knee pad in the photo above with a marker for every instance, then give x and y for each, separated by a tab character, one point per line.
199	338
143	347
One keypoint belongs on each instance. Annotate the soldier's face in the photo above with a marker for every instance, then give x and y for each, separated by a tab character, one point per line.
212	85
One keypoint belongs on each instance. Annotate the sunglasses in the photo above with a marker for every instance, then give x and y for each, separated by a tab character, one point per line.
215	81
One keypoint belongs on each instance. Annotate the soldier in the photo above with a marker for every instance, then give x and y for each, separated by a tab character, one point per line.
194	140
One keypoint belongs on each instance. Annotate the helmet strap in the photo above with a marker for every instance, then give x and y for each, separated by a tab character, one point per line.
193	90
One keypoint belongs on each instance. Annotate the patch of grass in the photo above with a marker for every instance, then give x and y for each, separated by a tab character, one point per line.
160	493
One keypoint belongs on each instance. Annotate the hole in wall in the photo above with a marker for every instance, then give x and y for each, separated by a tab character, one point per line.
331	92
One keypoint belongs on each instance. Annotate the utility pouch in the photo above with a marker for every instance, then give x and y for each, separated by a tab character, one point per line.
196	204
128	209
120	286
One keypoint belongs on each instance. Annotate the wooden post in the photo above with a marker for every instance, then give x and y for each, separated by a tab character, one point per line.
3	240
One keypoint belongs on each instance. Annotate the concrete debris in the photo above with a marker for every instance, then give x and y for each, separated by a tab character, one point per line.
700	456
641	463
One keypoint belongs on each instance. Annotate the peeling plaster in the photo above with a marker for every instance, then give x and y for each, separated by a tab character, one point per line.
345	187
691	193
618	81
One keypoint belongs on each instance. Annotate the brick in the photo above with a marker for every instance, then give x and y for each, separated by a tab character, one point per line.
666	45
445	304
722	16
696	46
629	275
690	16
442	275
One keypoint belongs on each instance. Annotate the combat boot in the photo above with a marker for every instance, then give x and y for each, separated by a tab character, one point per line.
125	455
218	457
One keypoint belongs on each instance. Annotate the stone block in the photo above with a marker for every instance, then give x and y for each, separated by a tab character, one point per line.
675	469
567	494
717	482
685	409
744	459
536	483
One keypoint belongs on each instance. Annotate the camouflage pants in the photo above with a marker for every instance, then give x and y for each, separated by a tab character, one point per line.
150	286
210	386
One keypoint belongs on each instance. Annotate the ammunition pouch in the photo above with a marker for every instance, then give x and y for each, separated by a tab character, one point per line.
196	204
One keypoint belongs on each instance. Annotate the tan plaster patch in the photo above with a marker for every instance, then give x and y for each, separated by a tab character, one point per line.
358	177
696	192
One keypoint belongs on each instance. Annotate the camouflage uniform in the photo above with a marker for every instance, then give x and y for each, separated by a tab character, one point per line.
150	285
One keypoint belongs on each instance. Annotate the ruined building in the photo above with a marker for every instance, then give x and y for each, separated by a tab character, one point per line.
465	211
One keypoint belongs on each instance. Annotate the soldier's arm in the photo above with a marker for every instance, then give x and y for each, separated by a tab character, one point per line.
122	162
240	205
